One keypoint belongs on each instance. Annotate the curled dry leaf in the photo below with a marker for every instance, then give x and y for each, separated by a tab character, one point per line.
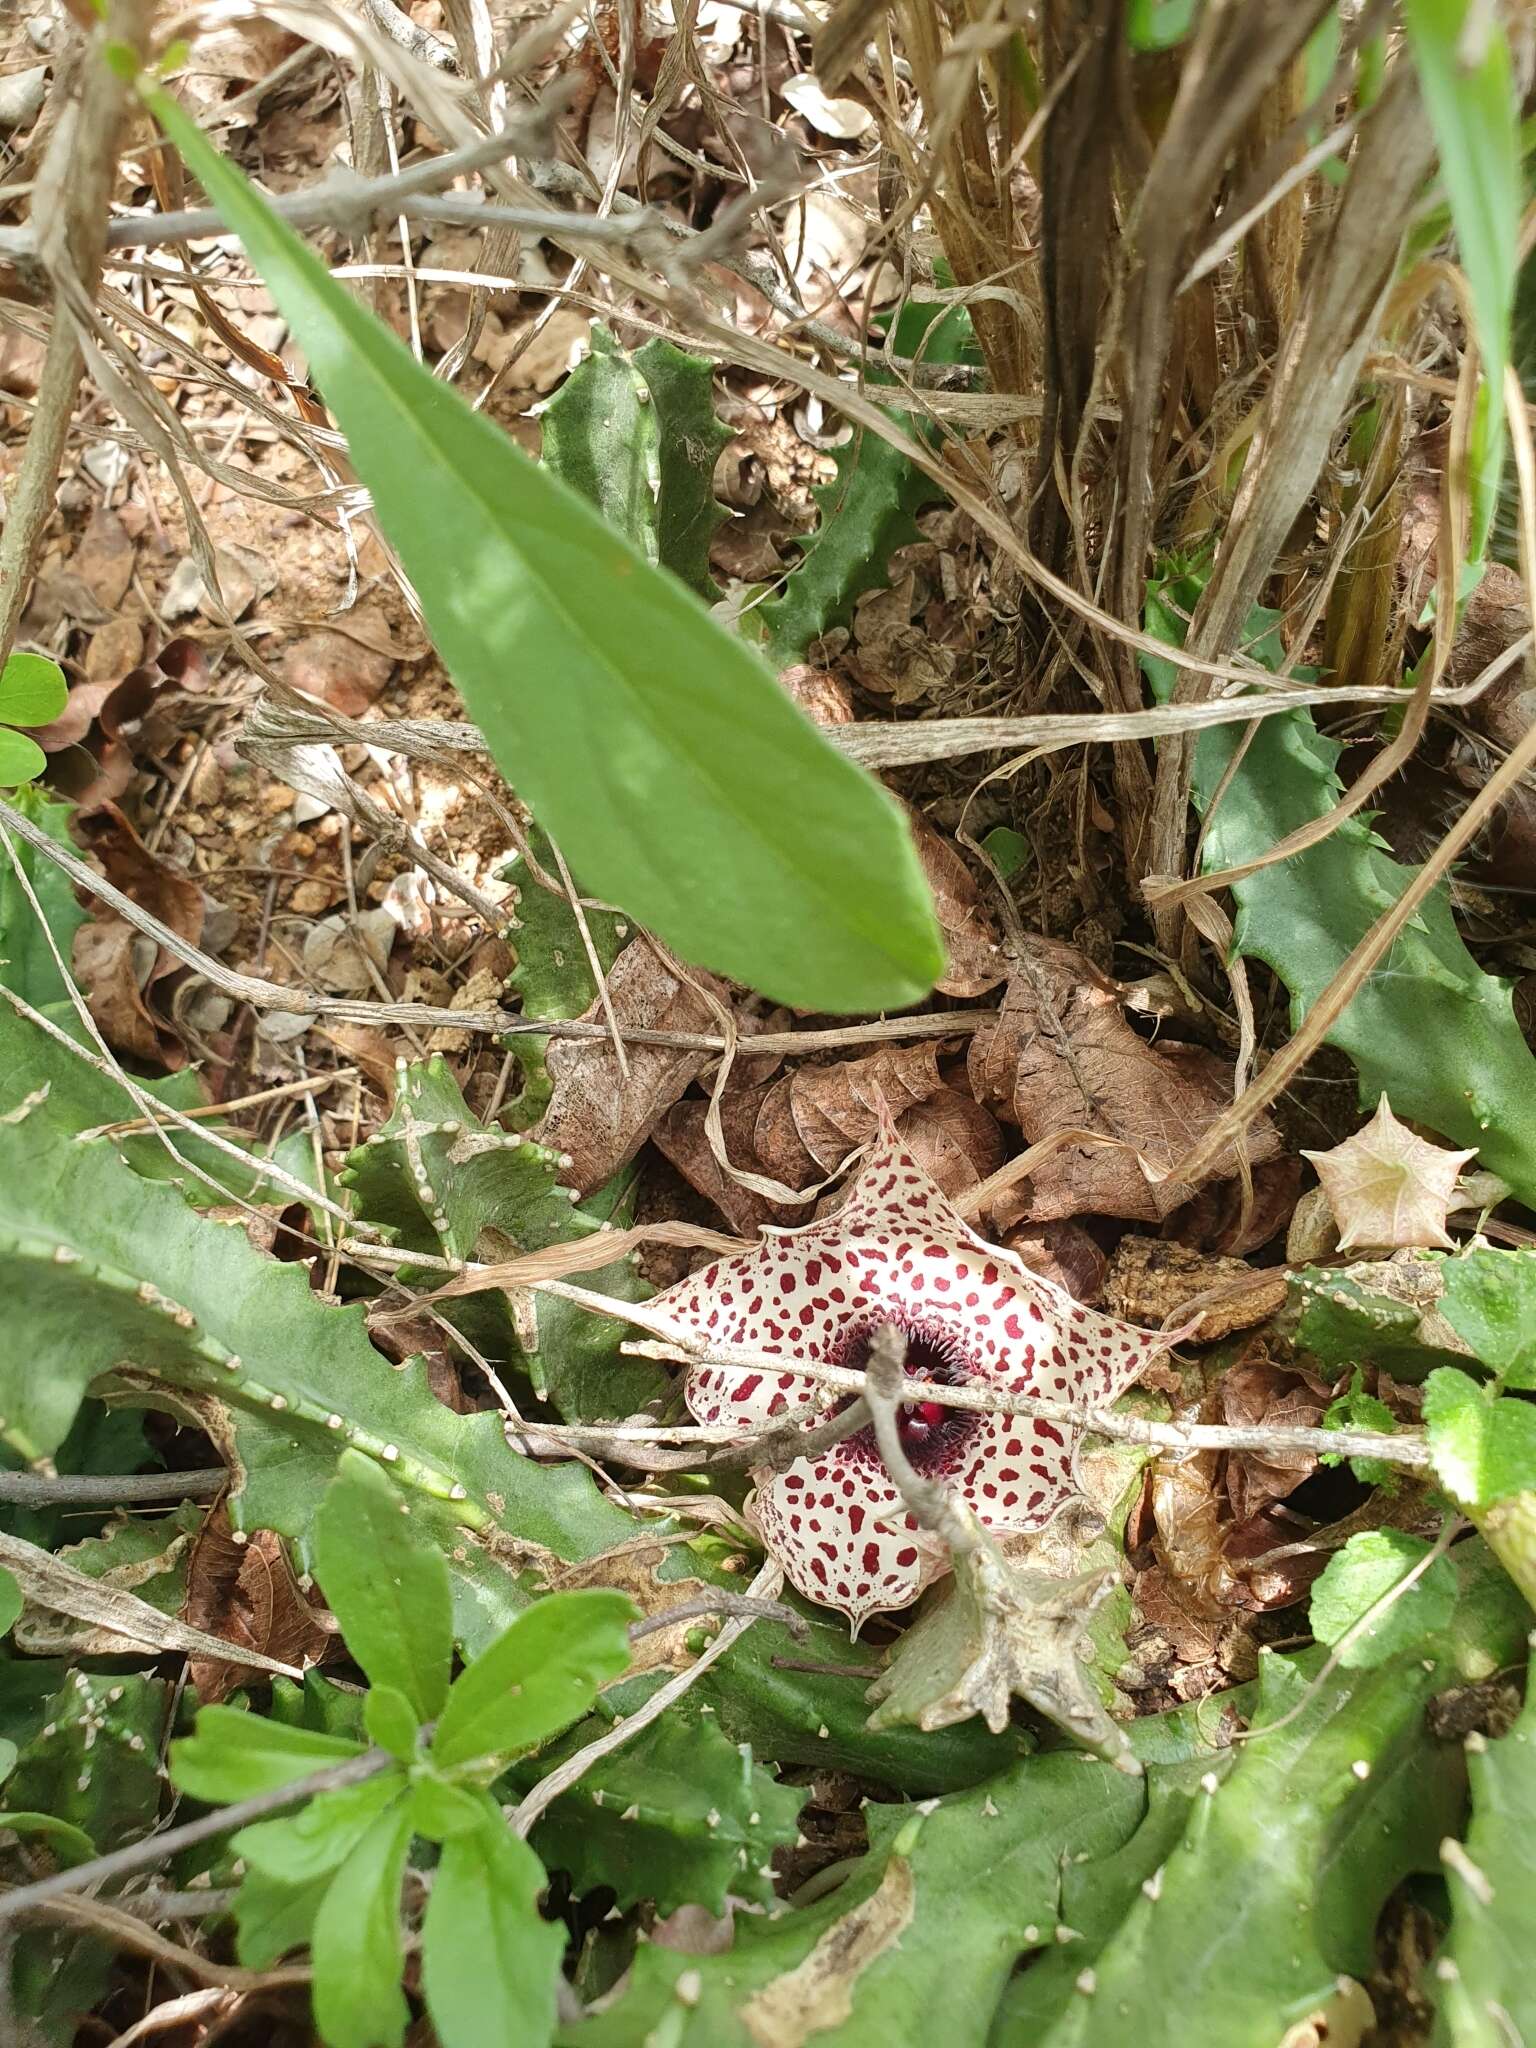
813	1117
245	1592
117	965
1062	1055
599	1116
975	961
1389	1189
1063	1253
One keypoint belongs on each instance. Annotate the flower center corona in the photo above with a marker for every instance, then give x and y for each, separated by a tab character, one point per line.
929	1430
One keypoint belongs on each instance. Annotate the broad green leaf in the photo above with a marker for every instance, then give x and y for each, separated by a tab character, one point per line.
657	749
489	1963
321	1835
440	1810
387	1585
1363	1572
272	1918
537	1678
391	1721
232	1754
1487	1999
1463	61
32	690
357	1946
90	1757
1490	1301
10	1601
21	759
1484	1447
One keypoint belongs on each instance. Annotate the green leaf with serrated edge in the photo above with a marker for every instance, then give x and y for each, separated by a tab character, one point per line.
78	1314
32	690
357	1948
713	811
579	1364
10	1601
1311	1828
928	1922
21	760
1364	1572
682	387
1483	1446
489	1963
1356	1409
1428	1027
1487	1999
1490	1302
679	1816
537	1678
1465	73
553	977
1369	1314
232	1754
92	1759
391	1720
868	510
386	1583
321	1834
27	962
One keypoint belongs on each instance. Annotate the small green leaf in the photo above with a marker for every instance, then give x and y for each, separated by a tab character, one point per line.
67	1842
712	810
8	1755
272	1918
234	1755
391	1721
1356	1409
1159	24
387	1585
1490	1301
489	1963
305	1845
21	759
440	1810
1484	1447
357	1947
1363	1572
10	1601
536	1678
32	690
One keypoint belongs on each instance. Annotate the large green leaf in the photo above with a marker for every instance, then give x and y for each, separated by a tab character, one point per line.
537	1678
656	747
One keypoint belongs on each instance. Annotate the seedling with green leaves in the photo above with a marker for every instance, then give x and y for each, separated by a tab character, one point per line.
330	1875
32	692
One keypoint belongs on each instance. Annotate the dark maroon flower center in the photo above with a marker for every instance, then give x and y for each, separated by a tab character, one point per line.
932	1432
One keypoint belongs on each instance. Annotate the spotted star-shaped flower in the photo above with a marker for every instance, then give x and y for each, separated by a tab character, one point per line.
895	1252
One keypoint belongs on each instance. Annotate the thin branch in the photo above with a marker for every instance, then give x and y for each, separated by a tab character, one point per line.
107	1490
722	1603
762	1589
157	1849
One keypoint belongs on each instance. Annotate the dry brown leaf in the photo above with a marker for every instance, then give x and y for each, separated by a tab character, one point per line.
245	1593
104	559
1062	1055
975	957
1390	1190
681	1137
1065	1253
952	1137
596	1115
118	965
838	1108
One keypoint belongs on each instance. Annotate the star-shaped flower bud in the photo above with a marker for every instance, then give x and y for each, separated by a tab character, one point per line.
1387	1188
896	1253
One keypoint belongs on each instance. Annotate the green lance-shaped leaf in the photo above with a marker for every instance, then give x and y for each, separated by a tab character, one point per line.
27	962
387	1585
1465	72
710	809
289	1864
1428	1027
535	1679
489	1962
1483	1984
234	1754
868	510
638	437
679	1816
358	1947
